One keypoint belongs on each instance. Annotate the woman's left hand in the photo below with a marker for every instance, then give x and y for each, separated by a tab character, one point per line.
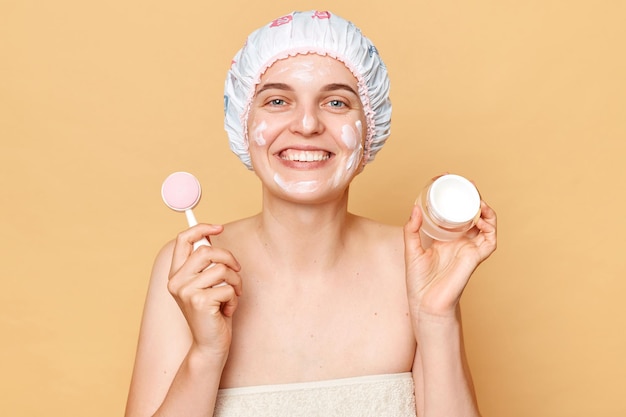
437	275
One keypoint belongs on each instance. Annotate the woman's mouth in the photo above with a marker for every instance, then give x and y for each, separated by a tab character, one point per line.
298	155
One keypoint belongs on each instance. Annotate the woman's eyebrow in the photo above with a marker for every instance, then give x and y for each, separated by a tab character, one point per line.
278	86
339	86
326	88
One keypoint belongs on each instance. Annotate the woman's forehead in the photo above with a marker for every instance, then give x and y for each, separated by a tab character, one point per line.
309	67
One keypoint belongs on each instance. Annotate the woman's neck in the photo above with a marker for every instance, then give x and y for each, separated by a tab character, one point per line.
304	237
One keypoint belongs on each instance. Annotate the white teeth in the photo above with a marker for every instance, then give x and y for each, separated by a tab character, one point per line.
304	156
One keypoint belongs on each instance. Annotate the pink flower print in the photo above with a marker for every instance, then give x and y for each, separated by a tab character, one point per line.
321	15
281	21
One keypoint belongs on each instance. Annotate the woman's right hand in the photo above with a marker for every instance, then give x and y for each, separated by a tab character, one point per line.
194	282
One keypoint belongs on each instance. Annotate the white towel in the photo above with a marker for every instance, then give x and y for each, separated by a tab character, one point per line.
389	395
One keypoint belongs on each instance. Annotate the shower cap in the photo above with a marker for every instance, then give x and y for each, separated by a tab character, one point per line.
318	32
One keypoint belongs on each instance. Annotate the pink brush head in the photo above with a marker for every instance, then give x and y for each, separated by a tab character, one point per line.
181	191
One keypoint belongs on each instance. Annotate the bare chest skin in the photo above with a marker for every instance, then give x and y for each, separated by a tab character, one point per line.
304	324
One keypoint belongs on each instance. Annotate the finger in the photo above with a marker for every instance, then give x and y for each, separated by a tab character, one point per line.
198	291
412	238
183	246
487	213
219	275
206	255
228	298
487	223
215	301
484	231
212	264
212	278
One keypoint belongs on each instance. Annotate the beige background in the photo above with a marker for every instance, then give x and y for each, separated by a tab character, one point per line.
99	101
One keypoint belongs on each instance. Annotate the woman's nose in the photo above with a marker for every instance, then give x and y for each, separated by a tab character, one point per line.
307	121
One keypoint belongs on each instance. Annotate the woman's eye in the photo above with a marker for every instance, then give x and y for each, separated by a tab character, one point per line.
336	103
277	102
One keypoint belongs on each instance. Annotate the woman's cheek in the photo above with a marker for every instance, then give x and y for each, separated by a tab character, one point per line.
351	137
258	133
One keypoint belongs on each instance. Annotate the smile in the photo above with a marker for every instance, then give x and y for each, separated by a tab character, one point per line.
304	156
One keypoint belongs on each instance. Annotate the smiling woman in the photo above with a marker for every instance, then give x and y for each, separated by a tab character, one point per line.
307	128
300	33
322	311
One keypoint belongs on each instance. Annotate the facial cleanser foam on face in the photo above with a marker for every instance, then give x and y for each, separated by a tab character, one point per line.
450	207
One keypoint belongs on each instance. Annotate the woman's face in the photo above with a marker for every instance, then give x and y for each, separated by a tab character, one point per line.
306	127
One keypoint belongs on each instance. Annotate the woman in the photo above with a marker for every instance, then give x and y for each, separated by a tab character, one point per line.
305	308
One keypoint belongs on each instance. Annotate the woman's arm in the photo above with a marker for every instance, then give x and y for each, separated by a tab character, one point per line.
185	330
443	383
436	277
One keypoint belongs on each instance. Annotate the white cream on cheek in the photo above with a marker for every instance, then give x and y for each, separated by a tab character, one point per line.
257	133
351	138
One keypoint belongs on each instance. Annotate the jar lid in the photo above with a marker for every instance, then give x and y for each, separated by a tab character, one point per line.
454	199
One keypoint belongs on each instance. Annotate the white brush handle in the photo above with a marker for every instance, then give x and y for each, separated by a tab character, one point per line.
191	220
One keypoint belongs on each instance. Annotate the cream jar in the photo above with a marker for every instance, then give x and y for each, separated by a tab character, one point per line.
450	207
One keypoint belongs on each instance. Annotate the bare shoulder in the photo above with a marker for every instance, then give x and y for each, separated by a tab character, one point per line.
163	258
235	233
385	236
